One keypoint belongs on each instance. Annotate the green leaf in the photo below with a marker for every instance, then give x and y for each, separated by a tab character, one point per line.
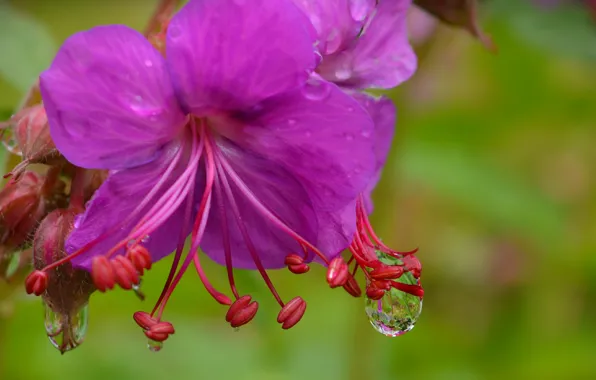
567	29
26	47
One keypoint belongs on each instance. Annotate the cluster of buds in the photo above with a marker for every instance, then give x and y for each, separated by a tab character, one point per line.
36	216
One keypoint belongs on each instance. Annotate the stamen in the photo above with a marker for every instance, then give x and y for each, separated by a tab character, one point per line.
37	283
245	235
337	272
291	313
221	160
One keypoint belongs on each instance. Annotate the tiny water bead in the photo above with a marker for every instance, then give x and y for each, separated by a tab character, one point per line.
154	346
66	332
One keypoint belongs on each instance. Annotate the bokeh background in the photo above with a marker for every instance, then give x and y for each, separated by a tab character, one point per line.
492	175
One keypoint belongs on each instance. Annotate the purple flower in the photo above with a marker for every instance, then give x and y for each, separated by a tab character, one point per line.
363	44
230	139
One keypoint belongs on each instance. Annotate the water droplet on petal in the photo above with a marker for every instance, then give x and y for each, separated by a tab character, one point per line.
154	346
334	41
148	63
343	73
397	312
174	32
360	9
291	121
316	89
366	133
66	332
145	239
349	136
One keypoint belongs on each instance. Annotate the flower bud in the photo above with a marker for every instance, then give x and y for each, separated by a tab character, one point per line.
23	204
68	289
32	134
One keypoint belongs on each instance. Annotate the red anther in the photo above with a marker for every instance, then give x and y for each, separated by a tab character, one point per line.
292	313
123	274
238	305
140	258
374	293
36	283
245	315
381	284
163	328
294	259
299	268
133	274
102	273
144	320
158	337
289	309
415	290
387	272
351	286
412	265
338	272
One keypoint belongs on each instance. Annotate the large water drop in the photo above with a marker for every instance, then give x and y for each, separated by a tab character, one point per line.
395	314
66	332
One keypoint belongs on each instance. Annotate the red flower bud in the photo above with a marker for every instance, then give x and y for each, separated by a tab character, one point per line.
22	206
68	288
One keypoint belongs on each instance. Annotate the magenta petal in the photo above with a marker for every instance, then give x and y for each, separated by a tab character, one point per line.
325	140
116	199
279	191
381	58
337	22
109	99
384	114
229	55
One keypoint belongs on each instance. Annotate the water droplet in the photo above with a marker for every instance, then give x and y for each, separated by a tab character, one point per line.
136	288
343	73
366	133
9	141
174	31
359	9
291	121
349	136
146	239
148	63
316	89
154	346
66	332
308	134
334	40
79	218
397	312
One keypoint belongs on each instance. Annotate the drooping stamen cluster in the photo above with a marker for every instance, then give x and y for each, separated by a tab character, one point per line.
114	267
367	252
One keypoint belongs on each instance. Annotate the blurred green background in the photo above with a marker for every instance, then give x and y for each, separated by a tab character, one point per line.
492	174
